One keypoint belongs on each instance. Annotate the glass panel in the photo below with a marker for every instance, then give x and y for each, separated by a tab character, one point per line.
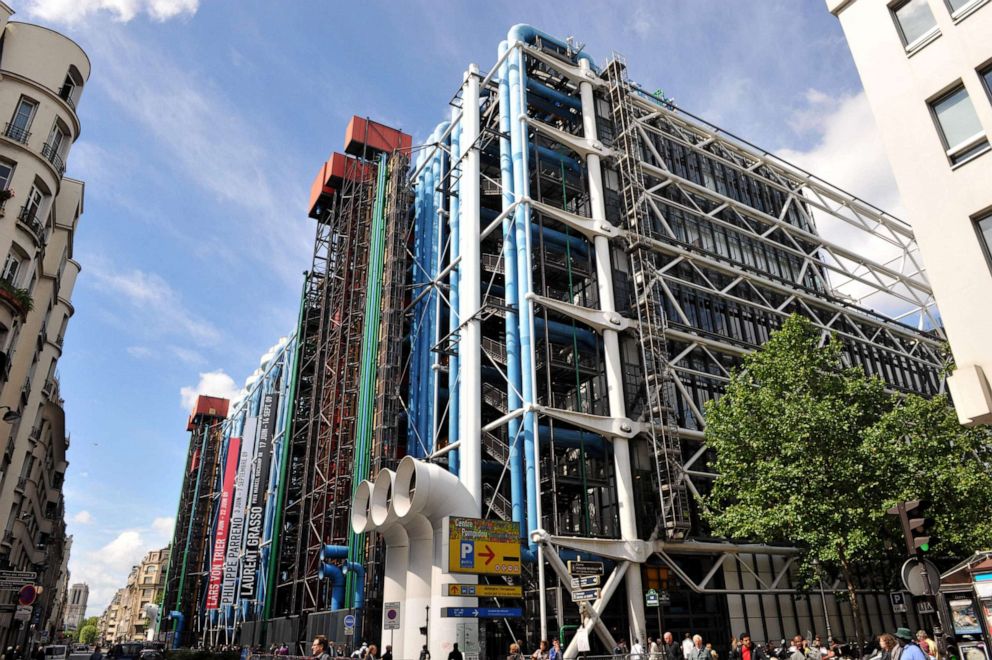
987	78
915	19
5	172
985	230
23	115
958	4
957	117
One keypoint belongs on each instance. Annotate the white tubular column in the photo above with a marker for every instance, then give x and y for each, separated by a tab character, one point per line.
470	298
614	371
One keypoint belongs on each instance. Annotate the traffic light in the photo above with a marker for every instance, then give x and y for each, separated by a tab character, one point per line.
920	524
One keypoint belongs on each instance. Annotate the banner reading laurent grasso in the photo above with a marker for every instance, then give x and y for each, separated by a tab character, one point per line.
223	518
259	483
241	482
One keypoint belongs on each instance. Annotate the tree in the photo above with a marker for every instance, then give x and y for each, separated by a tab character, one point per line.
813	453
88	633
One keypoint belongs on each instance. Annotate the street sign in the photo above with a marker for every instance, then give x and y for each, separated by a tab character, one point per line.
485	590
912	577
898	600
349	620
924	607
585	581
391	616
27	595
585	567
483	547
580	595
18	576
23	613
665	598
651	598
482	612
349	631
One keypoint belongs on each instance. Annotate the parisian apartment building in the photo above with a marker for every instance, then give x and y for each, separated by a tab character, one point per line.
131	613
926	67
42	78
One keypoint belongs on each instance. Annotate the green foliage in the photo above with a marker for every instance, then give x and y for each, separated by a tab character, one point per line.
813	453
88	633
20	296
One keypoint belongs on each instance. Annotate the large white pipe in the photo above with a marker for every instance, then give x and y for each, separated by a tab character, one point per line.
470	300
418	580
360	519
394	586
427	491
611	348
381	503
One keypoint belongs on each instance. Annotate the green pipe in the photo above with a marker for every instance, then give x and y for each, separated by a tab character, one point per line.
370	349
270	584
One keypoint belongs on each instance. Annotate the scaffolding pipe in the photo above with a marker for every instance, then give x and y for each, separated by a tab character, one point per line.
453	295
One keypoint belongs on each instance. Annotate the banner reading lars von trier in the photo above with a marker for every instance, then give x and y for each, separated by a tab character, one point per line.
223	515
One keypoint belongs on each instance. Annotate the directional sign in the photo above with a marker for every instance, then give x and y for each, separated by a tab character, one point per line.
485	590
349	620
585	567
665	598
482	612
585	581
18	576
651	598
391	616
580	595
483	547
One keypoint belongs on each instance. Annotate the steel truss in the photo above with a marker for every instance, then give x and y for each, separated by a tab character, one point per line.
676	235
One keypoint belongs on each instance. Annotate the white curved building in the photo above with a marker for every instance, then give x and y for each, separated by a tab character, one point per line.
42	77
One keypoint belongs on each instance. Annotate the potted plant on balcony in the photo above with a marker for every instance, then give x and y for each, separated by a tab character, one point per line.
20	299
5	194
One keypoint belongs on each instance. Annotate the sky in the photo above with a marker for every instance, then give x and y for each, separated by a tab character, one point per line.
204	123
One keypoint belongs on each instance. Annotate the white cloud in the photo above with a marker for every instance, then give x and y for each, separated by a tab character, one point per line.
212	383
105	569
155	307
83	518
71	12
140	352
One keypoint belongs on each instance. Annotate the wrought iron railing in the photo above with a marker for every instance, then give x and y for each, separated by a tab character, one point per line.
65	93
51	154
17	133
29	216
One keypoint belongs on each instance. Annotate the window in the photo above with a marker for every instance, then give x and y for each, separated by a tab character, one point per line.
961	8
33	205
21	122
959	126
6	174
56	138
915	21
11	269
986	76
984	227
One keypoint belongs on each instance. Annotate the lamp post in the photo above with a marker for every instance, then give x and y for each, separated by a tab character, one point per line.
11	415
823	599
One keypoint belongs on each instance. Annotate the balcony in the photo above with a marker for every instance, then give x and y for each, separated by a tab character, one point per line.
18	299
17	133
29	216
65	93
51	154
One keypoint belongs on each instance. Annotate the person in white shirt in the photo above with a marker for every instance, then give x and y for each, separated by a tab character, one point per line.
687	646
636	650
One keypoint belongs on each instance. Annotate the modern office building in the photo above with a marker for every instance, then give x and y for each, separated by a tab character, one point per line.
75	613
926	67
43	75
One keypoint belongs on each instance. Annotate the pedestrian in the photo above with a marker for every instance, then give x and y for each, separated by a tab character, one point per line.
96	655
555	652
669	649
388	655
713	654
373	652
318	648
748	650
542	651
927	645
687	646
424	653
654	648
515	653
455	653
636	650
909	649
887	643
698	651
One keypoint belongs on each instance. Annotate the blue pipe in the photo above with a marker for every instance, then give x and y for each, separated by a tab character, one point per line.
573	439
547	153
359	571
529	33
559	239
177	637
554	95
333	552
438	171
510	300
337	583
562	333
453	318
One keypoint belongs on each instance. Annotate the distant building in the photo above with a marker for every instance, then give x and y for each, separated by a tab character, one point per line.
926	66
110	620
42	75
127	616
76	607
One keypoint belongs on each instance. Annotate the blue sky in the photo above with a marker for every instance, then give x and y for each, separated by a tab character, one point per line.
204	122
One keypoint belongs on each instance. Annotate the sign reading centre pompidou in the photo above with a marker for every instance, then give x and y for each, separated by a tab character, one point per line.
223	517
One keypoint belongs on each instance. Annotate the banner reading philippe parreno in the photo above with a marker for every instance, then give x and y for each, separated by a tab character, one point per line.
223	518
259	485
232	563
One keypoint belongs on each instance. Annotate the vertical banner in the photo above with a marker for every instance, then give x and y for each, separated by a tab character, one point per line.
233	562
223	517
259	483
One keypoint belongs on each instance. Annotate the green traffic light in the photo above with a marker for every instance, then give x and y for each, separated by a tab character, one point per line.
925	547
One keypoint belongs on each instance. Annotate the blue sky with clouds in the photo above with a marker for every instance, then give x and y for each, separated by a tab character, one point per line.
204	122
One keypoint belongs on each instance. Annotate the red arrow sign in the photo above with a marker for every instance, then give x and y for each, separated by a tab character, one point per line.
488	553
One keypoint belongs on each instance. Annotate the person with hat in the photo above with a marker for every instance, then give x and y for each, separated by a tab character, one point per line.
908	648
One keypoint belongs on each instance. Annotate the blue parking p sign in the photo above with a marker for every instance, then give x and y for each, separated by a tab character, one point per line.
466	554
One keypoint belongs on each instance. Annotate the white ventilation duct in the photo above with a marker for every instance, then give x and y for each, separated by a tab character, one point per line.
360	519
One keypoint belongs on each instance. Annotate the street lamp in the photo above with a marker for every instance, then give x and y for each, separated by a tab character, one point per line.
11	415
823	598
